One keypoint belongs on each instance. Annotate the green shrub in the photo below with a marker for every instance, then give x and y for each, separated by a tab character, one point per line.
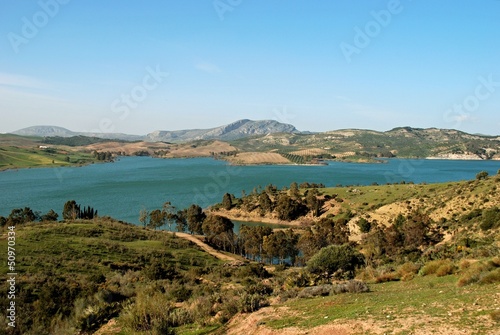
472	274
316	291
252	302
490	218
367	274
408	270
260	288
364	225
201	310
159	270
338	260
464	264
252	270
230	305
288	294
482	175
298	279
90	313
491	277
181	316
351	286
445	269
387	276
180	292
151	312
441	267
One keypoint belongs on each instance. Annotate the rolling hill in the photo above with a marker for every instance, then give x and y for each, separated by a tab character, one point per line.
271	142
403	142
232	131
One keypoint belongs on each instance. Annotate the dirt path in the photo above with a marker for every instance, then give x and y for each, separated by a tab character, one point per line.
207	248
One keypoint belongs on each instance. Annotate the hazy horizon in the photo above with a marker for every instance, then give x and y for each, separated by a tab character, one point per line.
301	130
134	68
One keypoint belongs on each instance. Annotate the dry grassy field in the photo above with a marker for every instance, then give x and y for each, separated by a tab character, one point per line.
171	150
127	148
204	150
310	152
253	158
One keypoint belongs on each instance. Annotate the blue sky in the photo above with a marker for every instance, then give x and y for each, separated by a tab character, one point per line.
138	66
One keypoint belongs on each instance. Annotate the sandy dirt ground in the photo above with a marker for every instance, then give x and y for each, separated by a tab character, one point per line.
254	324
171	150
236	214
206	247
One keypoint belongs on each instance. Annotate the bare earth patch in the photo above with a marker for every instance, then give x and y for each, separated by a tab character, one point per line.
206	247
203	150
254	158
127	148
109	329
254	324
171	150
309	152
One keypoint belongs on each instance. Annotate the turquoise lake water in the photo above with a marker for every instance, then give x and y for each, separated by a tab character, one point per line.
121	189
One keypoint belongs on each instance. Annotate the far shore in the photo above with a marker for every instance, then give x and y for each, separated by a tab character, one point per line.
344	160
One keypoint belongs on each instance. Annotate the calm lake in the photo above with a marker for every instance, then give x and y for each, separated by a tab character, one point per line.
123	188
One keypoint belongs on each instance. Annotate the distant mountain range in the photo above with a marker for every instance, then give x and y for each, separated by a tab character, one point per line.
269	136
54	131
233	131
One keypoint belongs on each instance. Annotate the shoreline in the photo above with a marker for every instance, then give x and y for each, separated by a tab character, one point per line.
254	218
377	161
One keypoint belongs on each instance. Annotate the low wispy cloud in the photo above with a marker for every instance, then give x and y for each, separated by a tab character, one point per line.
21	90
20	96
207	67
21	82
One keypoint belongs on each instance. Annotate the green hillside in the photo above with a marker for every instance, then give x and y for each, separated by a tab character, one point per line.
433	265
402	142
27	152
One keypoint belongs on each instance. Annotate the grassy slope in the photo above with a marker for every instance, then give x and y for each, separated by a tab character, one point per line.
78	252
87	248
443	200
82	249
23	152
404	142
427	304
351	145
383	203
417	306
